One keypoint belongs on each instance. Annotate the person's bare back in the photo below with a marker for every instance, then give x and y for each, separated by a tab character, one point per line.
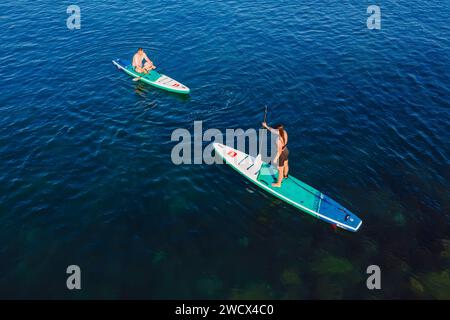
138	58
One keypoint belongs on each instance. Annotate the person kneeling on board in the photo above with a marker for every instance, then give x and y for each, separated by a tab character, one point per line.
138	58
282	152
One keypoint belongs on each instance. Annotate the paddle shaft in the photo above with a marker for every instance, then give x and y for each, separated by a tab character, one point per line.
265	114
260	142
139	78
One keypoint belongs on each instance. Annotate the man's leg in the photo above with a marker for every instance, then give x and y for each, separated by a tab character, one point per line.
149	66
139	69
280	177
286	168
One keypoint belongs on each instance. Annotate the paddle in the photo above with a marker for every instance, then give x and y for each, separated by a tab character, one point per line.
265	114
258	161
265	120
260	143
139	78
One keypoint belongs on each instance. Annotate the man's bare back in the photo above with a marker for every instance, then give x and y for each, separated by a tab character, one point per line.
138	58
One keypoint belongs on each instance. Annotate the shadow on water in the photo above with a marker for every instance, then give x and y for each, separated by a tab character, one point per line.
142	89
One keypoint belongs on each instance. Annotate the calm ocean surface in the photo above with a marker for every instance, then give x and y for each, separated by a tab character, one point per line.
86	176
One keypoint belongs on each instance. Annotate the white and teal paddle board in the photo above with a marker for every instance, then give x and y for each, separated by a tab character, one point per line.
153	78
292	190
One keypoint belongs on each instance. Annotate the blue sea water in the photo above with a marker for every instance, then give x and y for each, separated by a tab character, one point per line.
86	176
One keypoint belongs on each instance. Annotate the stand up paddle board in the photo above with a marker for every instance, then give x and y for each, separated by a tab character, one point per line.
153	78
292	190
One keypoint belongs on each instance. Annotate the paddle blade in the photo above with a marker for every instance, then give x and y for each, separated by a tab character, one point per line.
256	165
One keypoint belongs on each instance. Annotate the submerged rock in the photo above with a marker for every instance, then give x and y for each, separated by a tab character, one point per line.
399	219
290	278
387	204
158	256
209	286
332	265
445	253
416	286
256	291
393	262
327	289
178	205
243	242
263	219
437	284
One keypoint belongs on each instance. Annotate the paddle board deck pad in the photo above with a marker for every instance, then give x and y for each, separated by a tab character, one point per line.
292	190
153	78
